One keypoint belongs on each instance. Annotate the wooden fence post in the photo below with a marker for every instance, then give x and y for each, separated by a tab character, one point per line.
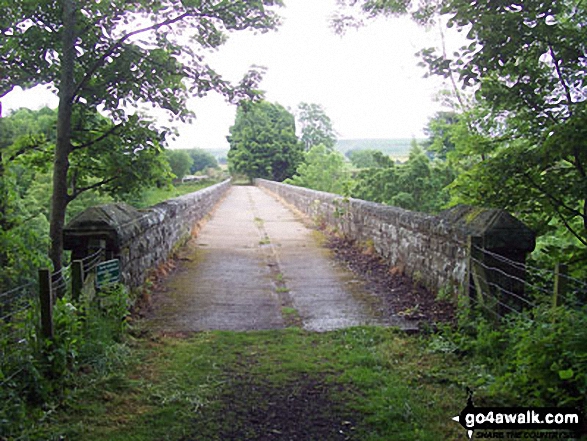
560	283
477	279
46	302
480	291
77	279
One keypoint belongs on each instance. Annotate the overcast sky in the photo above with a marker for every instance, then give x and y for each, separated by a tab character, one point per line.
368	80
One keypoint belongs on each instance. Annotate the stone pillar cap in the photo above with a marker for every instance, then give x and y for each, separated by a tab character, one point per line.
498	228
118	222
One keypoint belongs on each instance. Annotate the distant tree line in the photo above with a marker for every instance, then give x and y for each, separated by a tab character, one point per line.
263	144
190	161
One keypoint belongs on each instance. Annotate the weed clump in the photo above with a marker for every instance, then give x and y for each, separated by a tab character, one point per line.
538	358
88	336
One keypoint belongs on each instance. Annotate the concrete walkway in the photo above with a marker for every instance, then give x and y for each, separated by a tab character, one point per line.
255	265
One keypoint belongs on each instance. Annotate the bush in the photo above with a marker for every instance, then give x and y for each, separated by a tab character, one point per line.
533	359
546	358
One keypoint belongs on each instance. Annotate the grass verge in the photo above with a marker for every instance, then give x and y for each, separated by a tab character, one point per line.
363	383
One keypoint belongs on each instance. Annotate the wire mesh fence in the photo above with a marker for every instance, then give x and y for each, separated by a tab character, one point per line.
61	281
91	262
26	319
25	311
19	318
501	286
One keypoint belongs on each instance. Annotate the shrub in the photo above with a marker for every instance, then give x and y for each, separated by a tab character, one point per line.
37	375
534	359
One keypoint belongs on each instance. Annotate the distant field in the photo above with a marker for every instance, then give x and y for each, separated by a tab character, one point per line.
218	152
397	148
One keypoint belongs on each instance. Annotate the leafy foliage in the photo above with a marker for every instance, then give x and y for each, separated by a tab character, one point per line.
121	37
322	169
113	164
202	160
27	145
87	334
316	126
417	185
179	161
23	249
352	13
538	358
263	142
440	130
363	158
520	143
528	65
117	165
22	222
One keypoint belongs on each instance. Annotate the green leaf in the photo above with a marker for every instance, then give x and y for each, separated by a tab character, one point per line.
566	374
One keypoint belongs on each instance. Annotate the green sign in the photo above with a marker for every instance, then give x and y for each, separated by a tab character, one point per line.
107	273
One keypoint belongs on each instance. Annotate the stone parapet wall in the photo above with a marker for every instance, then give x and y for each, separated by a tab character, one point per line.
141	239
431	249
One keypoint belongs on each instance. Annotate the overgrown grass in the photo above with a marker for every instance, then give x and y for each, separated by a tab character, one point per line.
362	383
376	383
88	345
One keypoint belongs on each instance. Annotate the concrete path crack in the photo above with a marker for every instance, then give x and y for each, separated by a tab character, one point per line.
290	314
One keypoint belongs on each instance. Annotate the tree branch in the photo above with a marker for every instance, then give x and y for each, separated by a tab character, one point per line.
569	227
537	109
451	75
98	139
77	191
561	79
117	45
557	202
21	151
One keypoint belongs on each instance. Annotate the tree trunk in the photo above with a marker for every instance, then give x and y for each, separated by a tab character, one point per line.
60	197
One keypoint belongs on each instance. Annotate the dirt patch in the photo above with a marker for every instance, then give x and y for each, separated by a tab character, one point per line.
396	294
253	409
